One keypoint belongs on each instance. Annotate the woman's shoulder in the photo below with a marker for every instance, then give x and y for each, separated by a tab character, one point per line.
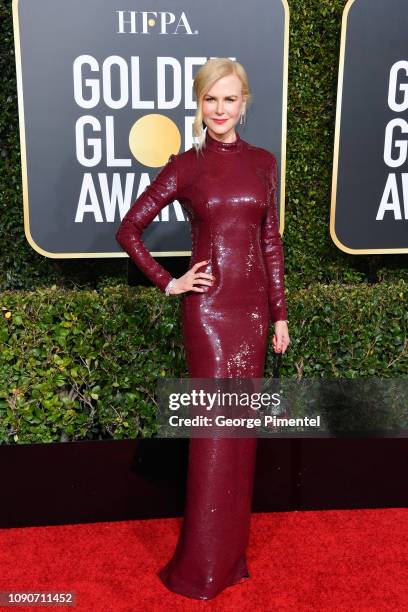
178	162
182	157
262	155
186	162
185	167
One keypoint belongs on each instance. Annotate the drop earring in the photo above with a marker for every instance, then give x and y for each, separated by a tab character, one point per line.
242	119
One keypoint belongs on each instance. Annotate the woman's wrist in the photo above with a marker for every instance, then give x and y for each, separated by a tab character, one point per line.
169	286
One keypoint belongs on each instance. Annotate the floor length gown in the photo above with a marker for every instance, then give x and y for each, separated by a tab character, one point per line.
229	193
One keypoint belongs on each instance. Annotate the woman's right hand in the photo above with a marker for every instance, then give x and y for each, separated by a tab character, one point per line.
188	281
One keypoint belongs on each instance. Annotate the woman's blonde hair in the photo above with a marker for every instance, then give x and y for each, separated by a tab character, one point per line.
206	76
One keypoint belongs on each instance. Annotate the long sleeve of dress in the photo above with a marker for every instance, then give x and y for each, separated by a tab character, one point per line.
272	249
161	191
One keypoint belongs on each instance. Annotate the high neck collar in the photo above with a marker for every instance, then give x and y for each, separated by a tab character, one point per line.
223	147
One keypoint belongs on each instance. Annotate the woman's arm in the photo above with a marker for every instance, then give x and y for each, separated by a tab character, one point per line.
272	249
161	191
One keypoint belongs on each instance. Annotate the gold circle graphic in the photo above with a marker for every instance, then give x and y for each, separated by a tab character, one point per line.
153	138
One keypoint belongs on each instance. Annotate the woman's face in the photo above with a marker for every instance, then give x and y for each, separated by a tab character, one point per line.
225	102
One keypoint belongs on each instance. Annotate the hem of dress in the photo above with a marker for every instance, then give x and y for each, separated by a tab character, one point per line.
183	589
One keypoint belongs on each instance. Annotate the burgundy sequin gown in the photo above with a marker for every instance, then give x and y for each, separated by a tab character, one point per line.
229	193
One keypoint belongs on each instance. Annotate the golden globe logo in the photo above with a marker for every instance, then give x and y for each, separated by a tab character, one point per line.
106	187
395	195
153	22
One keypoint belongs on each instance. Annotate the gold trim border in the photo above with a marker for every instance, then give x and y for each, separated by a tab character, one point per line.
284	117
23	150
334	237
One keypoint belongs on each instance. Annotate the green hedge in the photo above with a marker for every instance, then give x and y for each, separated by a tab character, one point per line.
78	365
310	253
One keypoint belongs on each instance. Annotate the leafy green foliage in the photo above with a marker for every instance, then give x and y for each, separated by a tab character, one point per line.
82	364
348	331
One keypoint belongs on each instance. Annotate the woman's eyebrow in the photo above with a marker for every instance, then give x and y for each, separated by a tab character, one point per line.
229	96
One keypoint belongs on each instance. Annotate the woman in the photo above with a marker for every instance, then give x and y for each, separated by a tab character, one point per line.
233	289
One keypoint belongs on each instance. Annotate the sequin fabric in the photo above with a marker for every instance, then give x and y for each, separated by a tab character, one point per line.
229	194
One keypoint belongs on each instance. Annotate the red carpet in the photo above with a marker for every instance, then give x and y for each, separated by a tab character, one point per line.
327	560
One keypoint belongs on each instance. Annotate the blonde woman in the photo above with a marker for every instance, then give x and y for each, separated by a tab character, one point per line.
232	291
